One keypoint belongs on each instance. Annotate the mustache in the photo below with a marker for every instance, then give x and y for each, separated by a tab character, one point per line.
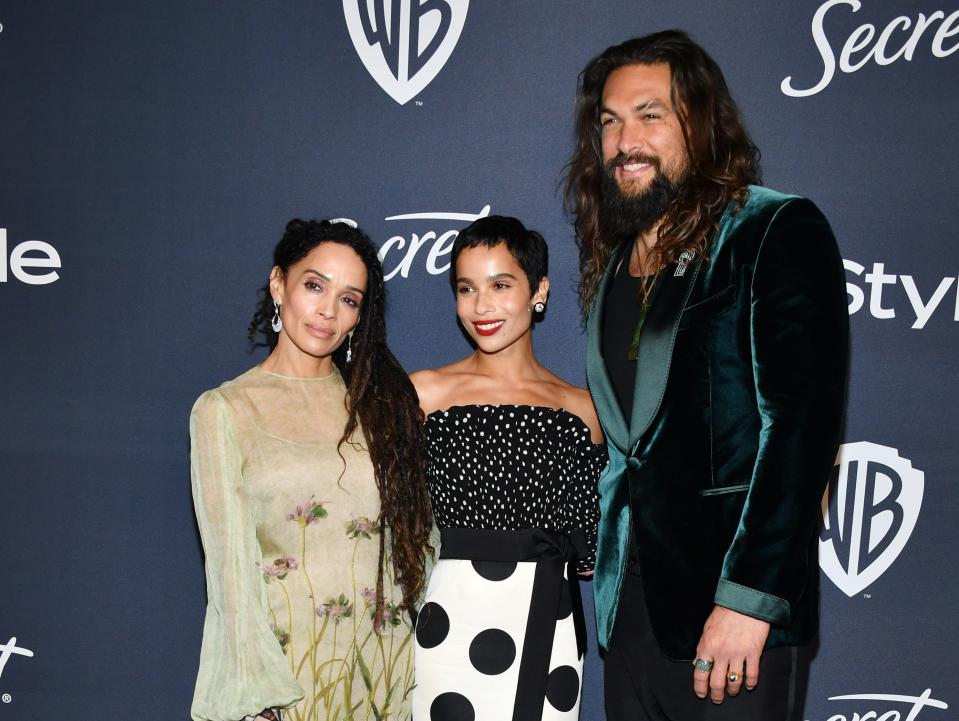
622	159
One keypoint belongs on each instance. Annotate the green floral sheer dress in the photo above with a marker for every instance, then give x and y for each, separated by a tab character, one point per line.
291	544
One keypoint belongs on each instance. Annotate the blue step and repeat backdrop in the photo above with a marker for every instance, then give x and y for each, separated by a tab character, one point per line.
151	153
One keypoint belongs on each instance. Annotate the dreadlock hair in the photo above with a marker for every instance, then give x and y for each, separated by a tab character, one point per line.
723	161
379	397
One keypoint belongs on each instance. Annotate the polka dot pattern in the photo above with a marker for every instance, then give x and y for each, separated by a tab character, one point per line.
502	468
492	651
452	707
562	688
494	570
432	625
508	467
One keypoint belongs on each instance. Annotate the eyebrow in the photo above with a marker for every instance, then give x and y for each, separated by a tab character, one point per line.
328	279
491	278
654	103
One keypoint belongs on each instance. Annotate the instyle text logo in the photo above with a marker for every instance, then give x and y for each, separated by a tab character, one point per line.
924	298
899	39
885	706
32	262
869	511
404	43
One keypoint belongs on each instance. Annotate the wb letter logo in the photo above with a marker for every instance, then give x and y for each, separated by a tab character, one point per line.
404	43
869	511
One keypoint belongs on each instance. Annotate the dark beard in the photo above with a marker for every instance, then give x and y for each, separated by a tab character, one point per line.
626	216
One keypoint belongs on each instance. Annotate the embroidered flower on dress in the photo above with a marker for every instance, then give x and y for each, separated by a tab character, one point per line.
306	515
390	614
283	637
279	568
361	526
335	608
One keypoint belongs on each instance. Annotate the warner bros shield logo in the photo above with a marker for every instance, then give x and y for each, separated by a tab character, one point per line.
404	43
869	511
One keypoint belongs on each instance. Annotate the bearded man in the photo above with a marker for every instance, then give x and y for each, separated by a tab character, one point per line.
717	331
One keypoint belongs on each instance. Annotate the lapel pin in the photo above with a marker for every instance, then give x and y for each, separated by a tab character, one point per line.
685	258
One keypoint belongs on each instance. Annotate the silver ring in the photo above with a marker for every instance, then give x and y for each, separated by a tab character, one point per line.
703	665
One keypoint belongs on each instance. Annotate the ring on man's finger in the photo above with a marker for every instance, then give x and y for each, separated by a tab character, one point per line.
732	677
703	665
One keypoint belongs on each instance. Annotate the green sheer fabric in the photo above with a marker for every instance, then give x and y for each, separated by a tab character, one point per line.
288	527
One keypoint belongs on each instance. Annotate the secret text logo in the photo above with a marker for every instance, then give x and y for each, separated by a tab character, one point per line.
884	706
404	43
869	511
901	37
8	650
440	242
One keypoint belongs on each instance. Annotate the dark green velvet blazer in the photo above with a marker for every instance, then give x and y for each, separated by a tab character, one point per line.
736	420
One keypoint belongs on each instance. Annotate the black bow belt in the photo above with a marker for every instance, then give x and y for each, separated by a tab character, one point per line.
551	550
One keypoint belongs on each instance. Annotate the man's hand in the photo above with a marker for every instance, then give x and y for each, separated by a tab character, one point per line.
733	642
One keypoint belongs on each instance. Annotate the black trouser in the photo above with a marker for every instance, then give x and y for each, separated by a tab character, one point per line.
641	684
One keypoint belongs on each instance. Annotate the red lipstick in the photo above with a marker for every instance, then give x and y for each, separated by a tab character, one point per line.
487	327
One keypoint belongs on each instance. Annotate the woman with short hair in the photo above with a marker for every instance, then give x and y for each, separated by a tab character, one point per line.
514	456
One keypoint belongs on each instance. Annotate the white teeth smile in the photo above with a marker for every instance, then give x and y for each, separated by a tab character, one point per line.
489	326
633	167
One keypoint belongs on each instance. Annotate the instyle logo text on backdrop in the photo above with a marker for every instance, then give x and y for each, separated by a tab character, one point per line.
405	43
23	260
923	304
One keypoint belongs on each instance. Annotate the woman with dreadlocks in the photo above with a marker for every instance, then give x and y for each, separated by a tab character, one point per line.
308	481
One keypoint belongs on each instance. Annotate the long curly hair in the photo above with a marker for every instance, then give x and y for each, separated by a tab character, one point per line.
380	398
723	160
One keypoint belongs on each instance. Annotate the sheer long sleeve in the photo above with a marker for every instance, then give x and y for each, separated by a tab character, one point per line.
242	666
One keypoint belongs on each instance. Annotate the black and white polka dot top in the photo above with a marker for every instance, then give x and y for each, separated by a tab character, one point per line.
507	467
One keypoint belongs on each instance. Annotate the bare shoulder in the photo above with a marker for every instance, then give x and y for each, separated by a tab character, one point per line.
578	401
435	386
429	386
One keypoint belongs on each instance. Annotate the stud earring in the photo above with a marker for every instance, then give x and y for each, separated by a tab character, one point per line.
349	347
276	323
539	307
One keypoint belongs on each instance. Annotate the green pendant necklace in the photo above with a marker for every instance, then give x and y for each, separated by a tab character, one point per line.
643	311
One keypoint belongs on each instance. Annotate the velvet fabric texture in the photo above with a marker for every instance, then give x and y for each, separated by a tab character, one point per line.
736	420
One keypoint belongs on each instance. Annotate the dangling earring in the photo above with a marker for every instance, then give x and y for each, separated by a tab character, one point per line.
277	323
539	307
349	347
